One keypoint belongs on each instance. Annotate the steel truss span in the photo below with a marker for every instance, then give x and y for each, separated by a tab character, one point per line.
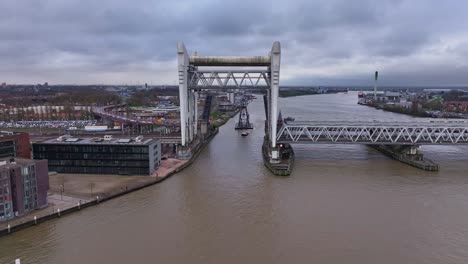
252	79
375	134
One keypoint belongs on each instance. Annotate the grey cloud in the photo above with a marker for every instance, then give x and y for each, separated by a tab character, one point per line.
397	42
97	39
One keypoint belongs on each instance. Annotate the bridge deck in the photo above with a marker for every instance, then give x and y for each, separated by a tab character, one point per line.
431	122
379	133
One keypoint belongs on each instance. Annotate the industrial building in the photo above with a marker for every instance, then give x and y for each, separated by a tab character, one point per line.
107	155
23	186
14	144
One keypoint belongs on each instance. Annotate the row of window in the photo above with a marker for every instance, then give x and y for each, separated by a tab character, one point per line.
30	203
90	148
4	190
4	198
7	153
89	156
29	187
7	143
4	206
7	149
6	210
101	170
105	163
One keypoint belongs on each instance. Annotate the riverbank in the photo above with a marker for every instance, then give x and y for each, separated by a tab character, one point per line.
73	199
224	117
73	192
399	110
294	93
418	113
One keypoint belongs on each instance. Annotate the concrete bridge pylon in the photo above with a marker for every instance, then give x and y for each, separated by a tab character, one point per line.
231	74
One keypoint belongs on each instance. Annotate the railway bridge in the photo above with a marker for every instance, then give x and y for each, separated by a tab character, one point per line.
198	73
261	73
400	140
375	133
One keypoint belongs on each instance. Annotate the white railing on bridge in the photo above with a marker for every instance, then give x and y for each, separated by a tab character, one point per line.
397	133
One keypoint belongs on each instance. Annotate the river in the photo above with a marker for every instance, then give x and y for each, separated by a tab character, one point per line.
342	204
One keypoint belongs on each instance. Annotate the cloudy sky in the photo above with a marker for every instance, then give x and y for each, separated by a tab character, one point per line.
324	42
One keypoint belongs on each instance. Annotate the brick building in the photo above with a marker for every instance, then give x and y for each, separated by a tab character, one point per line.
23	186
14	144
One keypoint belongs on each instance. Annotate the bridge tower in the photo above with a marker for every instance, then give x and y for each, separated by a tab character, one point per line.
256	72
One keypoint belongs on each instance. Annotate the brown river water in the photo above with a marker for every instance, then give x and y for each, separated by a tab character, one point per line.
342	204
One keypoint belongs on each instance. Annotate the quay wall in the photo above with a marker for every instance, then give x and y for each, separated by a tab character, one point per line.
197	150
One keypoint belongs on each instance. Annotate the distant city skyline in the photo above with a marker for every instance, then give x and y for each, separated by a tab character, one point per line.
324	42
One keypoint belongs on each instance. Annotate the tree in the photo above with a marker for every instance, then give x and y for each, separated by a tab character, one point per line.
453	95
68	110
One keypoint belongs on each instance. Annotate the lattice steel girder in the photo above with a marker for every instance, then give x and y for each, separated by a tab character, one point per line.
223	79
253	61
374	134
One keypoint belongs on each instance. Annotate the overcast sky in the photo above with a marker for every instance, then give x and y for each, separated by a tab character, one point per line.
324	42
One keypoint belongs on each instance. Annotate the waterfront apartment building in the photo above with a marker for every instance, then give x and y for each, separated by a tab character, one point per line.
14	144
108	155
23	186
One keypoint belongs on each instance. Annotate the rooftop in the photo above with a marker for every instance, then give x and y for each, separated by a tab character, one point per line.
106	140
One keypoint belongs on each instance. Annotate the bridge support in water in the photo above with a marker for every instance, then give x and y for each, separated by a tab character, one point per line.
409	154
255	73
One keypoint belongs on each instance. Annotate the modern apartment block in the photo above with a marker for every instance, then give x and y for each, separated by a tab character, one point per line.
23	186
14	144
108	155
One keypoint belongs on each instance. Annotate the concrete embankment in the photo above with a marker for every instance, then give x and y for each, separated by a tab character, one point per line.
53	213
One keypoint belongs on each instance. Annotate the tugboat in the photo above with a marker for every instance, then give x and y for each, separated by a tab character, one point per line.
282	120
244	133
